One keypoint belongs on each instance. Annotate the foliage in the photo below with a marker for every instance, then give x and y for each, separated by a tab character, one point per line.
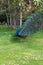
38	4
41	5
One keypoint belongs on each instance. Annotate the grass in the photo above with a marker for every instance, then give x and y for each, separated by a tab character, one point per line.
19	51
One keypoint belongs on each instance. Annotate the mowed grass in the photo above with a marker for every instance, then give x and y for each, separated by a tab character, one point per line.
17	51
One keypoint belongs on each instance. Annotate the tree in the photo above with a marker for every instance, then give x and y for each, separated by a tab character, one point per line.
14	11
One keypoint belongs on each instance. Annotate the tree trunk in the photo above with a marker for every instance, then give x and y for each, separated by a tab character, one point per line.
14	22
11	26
20	17
7	19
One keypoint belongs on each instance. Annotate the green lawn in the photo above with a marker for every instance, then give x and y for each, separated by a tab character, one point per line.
19	51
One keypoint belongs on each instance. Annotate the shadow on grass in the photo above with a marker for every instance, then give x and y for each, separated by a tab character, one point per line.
29	39
17	40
